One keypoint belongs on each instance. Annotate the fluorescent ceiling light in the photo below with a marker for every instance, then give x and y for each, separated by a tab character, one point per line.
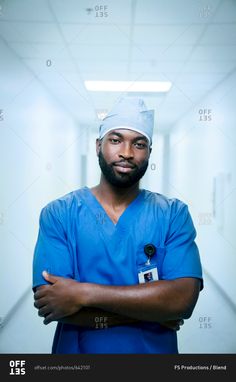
128	86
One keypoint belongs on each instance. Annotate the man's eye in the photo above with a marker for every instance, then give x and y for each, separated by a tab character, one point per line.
140	145
113	140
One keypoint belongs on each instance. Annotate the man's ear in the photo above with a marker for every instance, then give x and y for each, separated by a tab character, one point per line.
98	145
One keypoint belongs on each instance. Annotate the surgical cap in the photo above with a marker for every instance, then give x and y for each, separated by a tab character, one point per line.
129	113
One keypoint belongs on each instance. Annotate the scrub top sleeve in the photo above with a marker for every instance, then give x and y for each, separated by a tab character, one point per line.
181	252
51	251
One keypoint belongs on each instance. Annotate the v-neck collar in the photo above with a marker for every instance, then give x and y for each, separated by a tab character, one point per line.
101	215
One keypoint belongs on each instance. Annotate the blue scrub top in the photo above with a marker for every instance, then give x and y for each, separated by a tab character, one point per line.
77	239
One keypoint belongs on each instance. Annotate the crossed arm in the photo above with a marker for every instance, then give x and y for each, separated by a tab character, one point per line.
163	301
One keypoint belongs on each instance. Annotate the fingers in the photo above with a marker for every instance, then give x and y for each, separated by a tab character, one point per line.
173	324
44	311
178	324
40	303
41	292
49	318
50	278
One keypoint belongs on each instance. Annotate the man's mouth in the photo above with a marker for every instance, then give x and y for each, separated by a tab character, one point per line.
123	167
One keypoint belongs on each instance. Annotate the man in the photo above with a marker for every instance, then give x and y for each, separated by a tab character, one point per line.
123	270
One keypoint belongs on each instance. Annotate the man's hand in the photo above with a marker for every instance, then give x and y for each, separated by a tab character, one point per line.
59	299
173	324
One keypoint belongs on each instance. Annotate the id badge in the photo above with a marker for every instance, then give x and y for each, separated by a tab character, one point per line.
147	274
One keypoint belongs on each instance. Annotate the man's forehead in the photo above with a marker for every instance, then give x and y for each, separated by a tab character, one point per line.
123	132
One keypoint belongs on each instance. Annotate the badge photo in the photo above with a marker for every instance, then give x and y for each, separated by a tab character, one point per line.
148	274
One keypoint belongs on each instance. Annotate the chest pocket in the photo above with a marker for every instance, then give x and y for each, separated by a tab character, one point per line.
156	260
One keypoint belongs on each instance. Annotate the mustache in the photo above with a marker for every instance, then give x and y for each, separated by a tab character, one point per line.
124	162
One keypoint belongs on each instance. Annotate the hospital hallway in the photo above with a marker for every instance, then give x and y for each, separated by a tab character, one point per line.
63	66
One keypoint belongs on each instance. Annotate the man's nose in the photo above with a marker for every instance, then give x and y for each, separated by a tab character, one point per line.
126	151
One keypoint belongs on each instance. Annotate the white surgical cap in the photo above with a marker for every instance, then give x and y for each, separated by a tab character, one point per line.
129	113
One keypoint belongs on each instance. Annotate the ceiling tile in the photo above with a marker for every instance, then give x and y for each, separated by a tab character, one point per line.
96	34
167	34
220	34
156	53
108	70
186	83
25	10
209	66
174	12
83	11
226	12
152	68
99	51
30	32
40	51
213	53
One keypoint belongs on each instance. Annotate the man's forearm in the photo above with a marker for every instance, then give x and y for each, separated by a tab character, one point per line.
97	319
93	318
157	301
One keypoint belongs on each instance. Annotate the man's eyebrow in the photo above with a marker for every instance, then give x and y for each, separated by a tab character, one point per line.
143	138
116	133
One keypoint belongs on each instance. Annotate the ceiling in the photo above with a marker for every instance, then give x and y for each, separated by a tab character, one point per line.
188	42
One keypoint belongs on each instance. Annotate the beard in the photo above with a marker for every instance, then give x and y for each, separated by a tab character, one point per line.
121	180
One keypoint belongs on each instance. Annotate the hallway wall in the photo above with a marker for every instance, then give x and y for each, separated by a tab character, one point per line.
40	160
202	173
